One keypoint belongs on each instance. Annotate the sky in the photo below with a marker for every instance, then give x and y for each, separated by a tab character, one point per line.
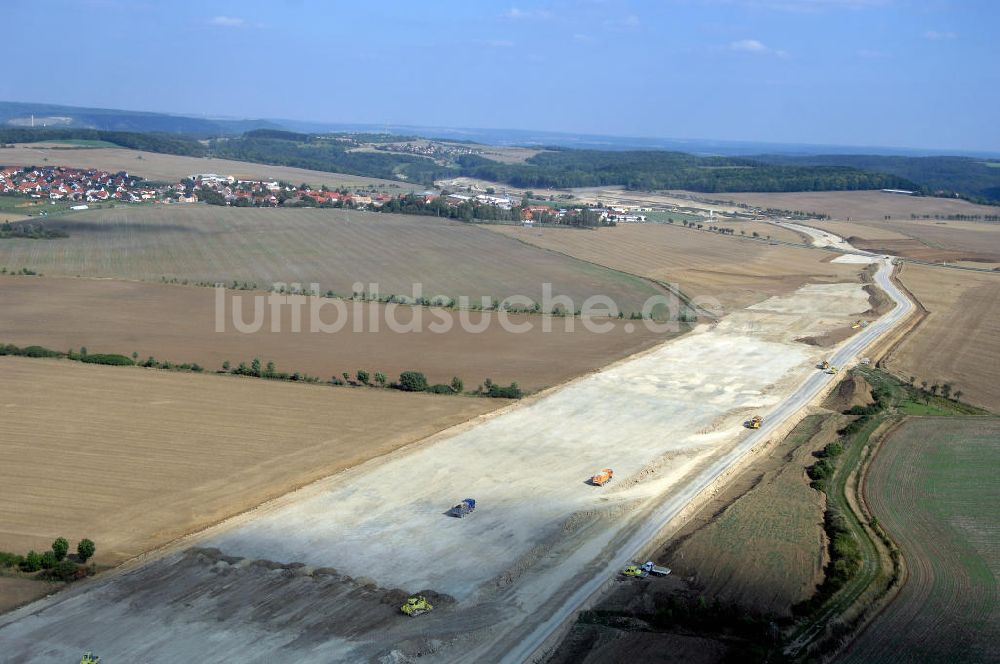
899	73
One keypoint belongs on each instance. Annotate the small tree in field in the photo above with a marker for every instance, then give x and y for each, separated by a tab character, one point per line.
85	550
412	381
457	384
363	376
60	548
380	378
32	562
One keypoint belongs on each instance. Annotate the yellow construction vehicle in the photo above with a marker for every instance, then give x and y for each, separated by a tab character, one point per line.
825	364
90	658
855	325
414	606
603	477
754	422
635	571
831	370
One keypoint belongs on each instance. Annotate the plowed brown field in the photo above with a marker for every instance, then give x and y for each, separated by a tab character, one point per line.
177	323
133	458
959	341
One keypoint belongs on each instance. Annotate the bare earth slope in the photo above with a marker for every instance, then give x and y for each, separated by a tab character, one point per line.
133	458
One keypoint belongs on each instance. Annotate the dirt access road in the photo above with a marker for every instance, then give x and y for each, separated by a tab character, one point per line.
540	544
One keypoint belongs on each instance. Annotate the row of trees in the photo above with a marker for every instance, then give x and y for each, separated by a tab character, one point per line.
28	230
409	381
945	390
111	359
54	562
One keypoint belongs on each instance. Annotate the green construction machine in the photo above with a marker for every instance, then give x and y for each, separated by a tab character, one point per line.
416	605
90	658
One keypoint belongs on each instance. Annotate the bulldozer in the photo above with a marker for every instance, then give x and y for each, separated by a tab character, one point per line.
90	658
831	370
603	477
825	364
754	422
414	606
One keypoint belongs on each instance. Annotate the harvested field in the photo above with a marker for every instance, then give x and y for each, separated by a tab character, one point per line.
759	542
17	591
178	323
959	341
764	230
735	271
172	168
934	488
133	458
976	244
856	205
333	248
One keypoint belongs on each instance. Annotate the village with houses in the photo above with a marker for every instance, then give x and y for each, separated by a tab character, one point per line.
81	187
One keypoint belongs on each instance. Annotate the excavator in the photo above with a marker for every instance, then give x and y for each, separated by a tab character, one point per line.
603	477
828	368
414	606
754	422
90	658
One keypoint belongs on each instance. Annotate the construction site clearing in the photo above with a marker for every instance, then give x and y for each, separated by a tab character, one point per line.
355	548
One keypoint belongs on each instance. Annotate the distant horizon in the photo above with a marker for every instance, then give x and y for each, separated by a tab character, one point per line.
621	141
913	74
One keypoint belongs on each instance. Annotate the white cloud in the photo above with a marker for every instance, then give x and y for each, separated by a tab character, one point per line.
227	22
582	38
754	46
500	43
934	35
516	14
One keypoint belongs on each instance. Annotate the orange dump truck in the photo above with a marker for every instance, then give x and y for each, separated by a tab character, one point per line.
602	478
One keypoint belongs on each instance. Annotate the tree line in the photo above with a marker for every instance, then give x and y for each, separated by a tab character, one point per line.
53	564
